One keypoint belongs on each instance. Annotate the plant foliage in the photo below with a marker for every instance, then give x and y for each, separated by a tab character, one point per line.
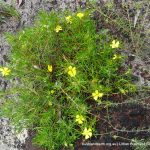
63	64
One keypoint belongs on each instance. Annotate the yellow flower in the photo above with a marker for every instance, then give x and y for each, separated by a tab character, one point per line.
97	95
50	68
49	103
52	91
87	133
5	71
80	119
72	71
114	44
123	91
58	28
69	19
116	56
80	15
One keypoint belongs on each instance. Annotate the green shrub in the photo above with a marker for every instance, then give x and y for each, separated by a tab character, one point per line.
7	11
62	64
